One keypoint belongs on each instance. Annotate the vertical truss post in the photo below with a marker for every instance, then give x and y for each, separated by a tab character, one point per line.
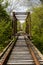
28	25
14	24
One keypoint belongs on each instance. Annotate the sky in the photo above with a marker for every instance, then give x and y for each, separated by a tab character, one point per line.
22	5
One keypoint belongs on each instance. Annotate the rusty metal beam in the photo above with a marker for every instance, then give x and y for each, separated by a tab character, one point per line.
14	24
28	24
21	13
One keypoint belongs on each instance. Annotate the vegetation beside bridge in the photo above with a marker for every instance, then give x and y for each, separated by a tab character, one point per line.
5	27
36	30
37	27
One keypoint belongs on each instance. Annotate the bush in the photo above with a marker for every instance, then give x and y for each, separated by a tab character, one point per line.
5	28
37	27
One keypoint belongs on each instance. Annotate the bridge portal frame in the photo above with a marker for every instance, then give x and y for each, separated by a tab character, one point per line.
28	22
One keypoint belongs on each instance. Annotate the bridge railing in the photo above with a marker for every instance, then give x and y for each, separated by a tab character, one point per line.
6	52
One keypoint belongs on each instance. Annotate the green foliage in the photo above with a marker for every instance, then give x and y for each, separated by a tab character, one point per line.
24	26
37	27
41	1
5	28
1	1
18	26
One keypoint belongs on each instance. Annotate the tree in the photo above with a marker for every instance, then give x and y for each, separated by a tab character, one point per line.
37	27
5	27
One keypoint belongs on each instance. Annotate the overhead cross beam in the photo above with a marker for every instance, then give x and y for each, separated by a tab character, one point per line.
21	17
21	13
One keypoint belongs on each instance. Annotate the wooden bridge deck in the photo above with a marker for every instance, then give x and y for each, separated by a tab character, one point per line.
21	54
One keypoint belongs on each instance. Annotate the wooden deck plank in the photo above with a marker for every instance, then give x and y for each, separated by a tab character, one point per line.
20	53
